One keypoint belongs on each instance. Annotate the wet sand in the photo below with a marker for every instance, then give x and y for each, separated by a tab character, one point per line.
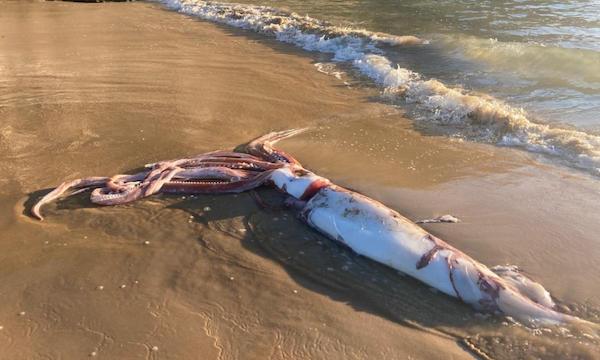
90	89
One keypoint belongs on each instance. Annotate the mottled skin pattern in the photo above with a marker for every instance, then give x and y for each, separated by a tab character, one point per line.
488	285
258	163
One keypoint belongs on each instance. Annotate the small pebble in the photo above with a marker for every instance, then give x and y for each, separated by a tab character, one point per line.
183	198
136	282
100	287
231	278
155	348
93	353
191	216
123	286
1	327
22	313
146	242
85	237
295	291
207	208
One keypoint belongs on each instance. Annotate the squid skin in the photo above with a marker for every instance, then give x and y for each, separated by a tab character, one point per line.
375	231
381	234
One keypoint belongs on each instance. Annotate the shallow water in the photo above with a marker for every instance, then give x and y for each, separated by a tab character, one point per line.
540	55
220	276
444	90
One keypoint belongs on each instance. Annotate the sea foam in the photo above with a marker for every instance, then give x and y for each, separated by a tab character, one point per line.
476	116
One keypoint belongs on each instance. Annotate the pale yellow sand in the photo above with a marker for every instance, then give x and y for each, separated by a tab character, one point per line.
101	89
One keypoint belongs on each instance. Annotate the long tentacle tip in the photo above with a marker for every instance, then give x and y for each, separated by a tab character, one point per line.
35	212
292	132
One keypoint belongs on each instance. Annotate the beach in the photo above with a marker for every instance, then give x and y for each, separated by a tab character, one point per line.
101	89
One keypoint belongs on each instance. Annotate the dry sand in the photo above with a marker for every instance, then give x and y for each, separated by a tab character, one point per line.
90	89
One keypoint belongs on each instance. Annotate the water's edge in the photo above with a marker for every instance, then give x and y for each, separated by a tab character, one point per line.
467	114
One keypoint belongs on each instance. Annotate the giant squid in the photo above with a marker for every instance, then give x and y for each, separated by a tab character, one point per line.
364	225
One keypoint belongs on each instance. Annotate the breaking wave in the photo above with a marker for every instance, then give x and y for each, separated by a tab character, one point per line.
475	116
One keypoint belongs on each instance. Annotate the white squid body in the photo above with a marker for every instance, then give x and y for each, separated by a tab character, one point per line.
381	234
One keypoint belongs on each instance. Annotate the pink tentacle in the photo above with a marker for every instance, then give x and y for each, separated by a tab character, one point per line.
80	184
216	186
130	192
216	173
154	186
106	196
220	156
245	164
123	182
192	180
245	171
263	147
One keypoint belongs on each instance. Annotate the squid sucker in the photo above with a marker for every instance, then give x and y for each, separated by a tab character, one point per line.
364	225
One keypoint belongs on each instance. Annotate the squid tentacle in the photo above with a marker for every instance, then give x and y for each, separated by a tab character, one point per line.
151	185
123	182
263	146
80	184
217	187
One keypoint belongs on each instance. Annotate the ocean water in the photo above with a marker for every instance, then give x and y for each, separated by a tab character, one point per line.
523	74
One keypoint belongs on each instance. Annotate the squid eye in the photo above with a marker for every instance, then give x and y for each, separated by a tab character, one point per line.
300	172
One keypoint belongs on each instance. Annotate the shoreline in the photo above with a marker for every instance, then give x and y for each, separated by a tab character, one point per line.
234	281
439	107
